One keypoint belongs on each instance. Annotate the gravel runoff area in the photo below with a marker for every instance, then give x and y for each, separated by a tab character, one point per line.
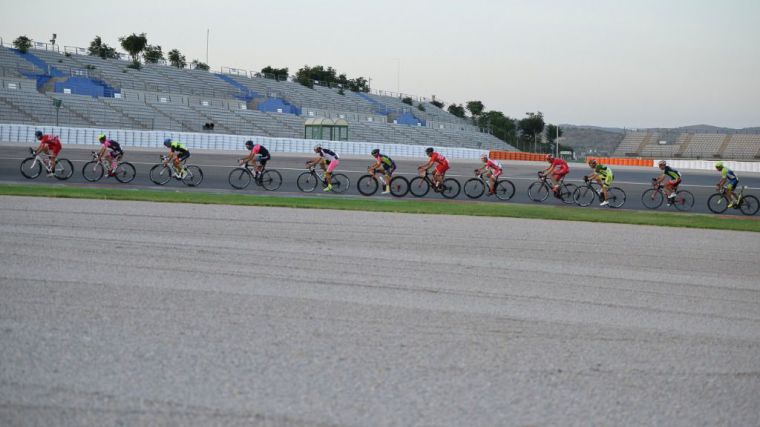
125	313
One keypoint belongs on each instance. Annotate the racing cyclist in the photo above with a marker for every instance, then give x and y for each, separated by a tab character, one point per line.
674	179
727	176
386	164
328	160
50	145
603	175
559	169
442	165
114	151
492	169
178	152
258	157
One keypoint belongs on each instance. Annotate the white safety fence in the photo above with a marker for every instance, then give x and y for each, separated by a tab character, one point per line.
710	165
211	141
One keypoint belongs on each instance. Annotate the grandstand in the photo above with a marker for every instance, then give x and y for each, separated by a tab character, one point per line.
651	144
107	93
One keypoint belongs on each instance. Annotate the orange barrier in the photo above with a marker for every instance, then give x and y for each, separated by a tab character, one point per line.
623	161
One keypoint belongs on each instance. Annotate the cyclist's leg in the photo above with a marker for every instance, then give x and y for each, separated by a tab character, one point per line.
53	153
328	173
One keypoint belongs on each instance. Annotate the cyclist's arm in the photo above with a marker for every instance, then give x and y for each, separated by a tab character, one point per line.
426	165
313	161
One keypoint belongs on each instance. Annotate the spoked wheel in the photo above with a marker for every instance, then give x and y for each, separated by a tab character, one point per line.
239	178
717	203
270	179
615	197
124	172
63	169
30	169
566	193
307	182
474	188
505	190
367	185
684	200
749	205
340	183
584	195
652	198
538	191
92	171
160	174
399	186
451	188
194	176
419	186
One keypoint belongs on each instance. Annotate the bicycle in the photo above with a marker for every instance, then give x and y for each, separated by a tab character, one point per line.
540	190
475	187
370	183
241	177
585	194
94	170
31	167
420	186
718	202
161	173
653	197
307	181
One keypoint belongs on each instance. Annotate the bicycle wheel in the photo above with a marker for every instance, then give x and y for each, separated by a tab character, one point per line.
63	169
566	193
652	198
307	182
125	172
239	178
194	176
270	179
505	190
340	183
538	191
584	195
367	185
717	203
399	186
474	188
616	197
419	186
749	205
29	169
451	188
160	174
684	200
92	171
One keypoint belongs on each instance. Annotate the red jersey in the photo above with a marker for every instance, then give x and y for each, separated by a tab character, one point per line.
50	140
490	164
437	158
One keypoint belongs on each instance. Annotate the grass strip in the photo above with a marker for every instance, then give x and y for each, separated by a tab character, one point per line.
414	206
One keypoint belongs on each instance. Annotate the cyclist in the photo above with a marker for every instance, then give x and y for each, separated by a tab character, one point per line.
328	160
672	184
386	164
115	153
442	165
178	152
603	175
50	145
727	176
492	169
258	157
559	169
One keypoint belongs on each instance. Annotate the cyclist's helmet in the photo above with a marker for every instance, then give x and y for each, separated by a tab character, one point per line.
101	137
168	142
317	148
484	157
38	134
549	157
249	144
376	151
592	162
718	165
429	150
662	163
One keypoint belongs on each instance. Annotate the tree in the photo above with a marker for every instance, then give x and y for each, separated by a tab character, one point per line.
551	133
307	76
134	44
176	58
407	100
456	110
98	48
359	84
199	65
275	73
152	54
22	43
532	127
438	104
499	125
475	108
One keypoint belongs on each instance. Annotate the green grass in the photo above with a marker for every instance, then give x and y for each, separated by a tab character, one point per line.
415	206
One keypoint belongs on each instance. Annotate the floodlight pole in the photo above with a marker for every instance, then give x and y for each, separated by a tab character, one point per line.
207	31
556	139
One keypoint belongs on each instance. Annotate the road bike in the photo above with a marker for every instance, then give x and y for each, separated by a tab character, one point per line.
540	190
748	205
370	183
95	169
421	185
653	197
504	189
31	167
161	173
241	177
308	181
585	194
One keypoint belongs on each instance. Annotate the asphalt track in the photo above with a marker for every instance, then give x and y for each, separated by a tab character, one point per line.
133	313
216	167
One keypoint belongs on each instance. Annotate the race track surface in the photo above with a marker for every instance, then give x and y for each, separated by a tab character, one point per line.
130	313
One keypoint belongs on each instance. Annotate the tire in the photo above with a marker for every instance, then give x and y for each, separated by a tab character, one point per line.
749	205
399	186
419	186
652	199
125	173
63	169
584	196
505	190
340	183
194	176
307	182
684	200
717	203
92	171
271	180
451	188
29	169
367	185
474	188
615	197
239	178
538	192
566	193
160	174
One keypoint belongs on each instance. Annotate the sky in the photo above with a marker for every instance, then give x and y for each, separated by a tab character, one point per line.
614	63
